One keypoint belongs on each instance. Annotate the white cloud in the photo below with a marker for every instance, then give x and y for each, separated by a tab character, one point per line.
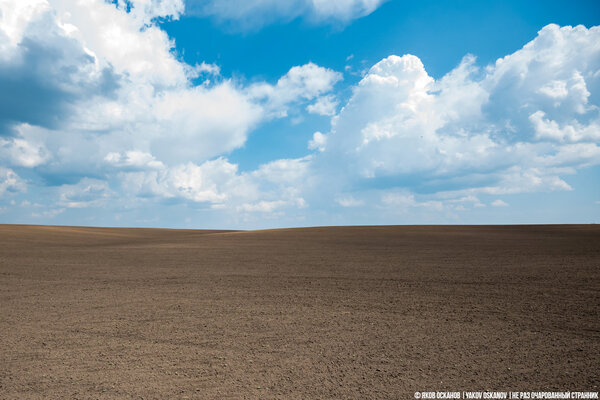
284	171
517	126
300	83
127	113
113	36
555	90
433	145
200	123
43	69
197	183
10	182
112	106
25	150
325	105
212	69
499	203
572	131
133	158
23	153
253	14
219	185
15	17
86	193
318	142
124	90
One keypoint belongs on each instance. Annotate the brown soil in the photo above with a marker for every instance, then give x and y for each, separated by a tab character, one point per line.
348	312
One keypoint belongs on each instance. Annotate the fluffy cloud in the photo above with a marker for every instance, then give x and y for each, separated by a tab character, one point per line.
572	131
325	105
25	150
93	88
301	83
87	192
198	183
517	126
128	41
95	103
10	182
253	14
94	67
218	185
44	71
274	186
133	159
318	142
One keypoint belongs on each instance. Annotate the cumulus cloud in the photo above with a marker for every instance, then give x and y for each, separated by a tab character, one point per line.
275	185
128	41
198	183
253	14
325	105
572	131
509	128
135	159
10	182
107	114
83	69
94	90
318	142
219	185
44	71
300	83
88	192
23	150
199	123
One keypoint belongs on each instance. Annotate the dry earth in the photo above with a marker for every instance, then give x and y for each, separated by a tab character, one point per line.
348	312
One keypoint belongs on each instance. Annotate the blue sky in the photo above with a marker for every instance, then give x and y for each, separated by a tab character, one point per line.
262	113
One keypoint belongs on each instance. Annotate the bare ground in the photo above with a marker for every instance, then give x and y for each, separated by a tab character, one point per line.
348	312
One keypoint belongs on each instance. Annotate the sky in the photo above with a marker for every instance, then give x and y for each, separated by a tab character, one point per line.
251	114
